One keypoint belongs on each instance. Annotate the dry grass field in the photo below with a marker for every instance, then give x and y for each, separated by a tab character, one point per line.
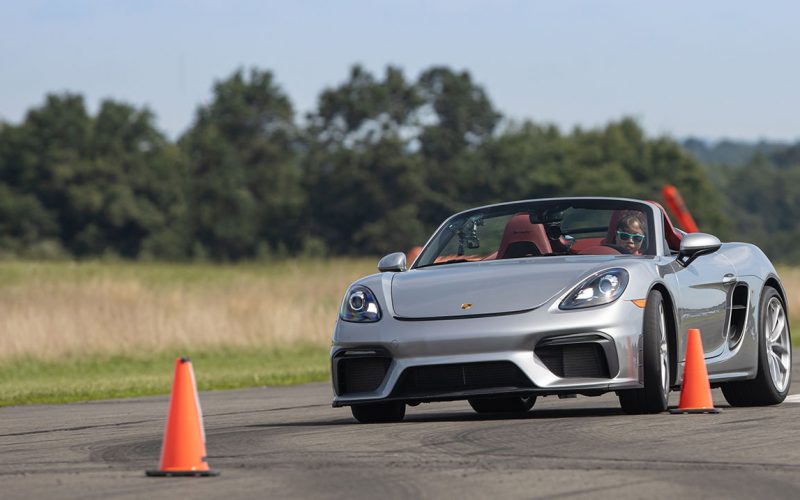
80	331
51	311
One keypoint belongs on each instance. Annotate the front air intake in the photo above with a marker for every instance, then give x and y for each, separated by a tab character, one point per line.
443	379
584	360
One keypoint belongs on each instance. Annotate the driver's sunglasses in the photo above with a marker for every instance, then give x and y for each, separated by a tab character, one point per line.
636	237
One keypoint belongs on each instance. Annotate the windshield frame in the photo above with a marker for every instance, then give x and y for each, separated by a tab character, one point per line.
598	203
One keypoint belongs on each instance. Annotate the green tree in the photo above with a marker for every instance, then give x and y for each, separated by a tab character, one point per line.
787	157
25	224
621	161
765	205
463	114
98	185
245	194
457	119
364	179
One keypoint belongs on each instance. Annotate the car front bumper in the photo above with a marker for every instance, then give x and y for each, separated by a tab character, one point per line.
543	351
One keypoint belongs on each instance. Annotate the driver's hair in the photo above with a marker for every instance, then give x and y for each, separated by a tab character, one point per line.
627	220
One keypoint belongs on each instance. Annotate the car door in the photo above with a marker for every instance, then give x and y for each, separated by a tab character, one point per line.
703	287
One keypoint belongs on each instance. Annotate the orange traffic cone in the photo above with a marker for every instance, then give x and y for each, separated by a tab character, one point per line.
695	391
183	452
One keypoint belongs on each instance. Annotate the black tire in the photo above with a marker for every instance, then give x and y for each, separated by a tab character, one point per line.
654	397
514	404
762	390
379	413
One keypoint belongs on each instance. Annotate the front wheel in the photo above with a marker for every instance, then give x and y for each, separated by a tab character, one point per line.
514	404
653	398
379	413
771	384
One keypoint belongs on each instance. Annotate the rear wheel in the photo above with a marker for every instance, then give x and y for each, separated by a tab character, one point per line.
772	381
379	413
653	398
503	405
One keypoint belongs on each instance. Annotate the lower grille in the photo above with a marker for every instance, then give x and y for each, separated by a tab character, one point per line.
574	360
361	374
438	379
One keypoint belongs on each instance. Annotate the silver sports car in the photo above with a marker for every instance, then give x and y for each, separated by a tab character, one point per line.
560	297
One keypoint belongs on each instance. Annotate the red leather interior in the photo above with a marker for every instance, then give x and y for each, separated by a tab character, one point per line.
519	231
582	244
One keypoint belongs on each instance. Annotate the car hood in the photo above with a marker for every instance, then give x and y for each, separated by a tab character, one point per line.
491	287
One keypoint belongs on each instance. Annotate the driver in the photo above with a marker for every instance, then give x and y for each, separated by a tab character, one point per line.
631	233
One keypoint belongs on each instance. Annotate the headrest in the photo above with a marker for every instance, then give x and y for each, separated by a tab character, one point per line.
520	228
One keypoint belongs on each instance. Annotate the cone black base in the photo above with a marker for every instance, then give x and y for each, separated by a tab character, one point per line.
677	411
182	473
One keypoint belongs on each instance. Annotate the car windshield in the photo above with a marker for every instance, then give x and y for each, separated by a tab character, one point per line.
541	229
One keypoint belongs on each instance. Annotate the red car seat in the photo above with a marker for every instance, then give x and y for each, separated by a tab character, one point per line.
521	238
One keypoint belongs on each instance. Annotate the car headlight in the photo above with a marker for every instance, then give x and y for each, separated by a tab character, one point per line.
598	289
360	305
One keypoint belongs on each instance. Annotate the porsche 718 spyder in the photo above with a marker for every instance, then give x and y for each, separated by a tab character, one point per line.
560	297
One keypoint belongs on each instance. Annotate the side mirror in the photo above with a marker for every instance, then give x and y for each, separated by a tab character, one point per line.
694	245
394	262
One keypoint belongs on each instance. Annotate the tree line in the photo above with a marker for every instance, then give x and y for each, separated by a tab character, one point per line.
375	167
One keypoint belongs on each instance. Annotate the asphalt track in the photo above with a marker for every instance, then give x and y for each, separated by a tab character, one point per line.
289	443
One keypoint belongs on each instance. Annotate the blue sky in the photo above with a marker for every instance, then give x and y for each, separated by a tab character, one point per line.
712	69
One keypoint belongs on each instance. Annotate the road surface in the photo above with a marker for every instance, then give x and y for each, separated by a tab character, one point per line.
287	442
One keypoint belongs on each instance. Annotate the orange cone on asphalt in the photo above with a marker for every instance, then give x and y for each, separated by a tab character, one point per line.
183	452
696	390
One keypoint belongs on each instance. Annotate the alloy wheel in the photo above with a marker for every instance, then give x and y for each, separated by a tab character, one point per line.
663	352
776	337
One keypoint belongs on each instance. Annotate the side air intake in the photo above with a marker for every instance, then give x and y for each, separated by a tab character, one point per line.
359	370
737	314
